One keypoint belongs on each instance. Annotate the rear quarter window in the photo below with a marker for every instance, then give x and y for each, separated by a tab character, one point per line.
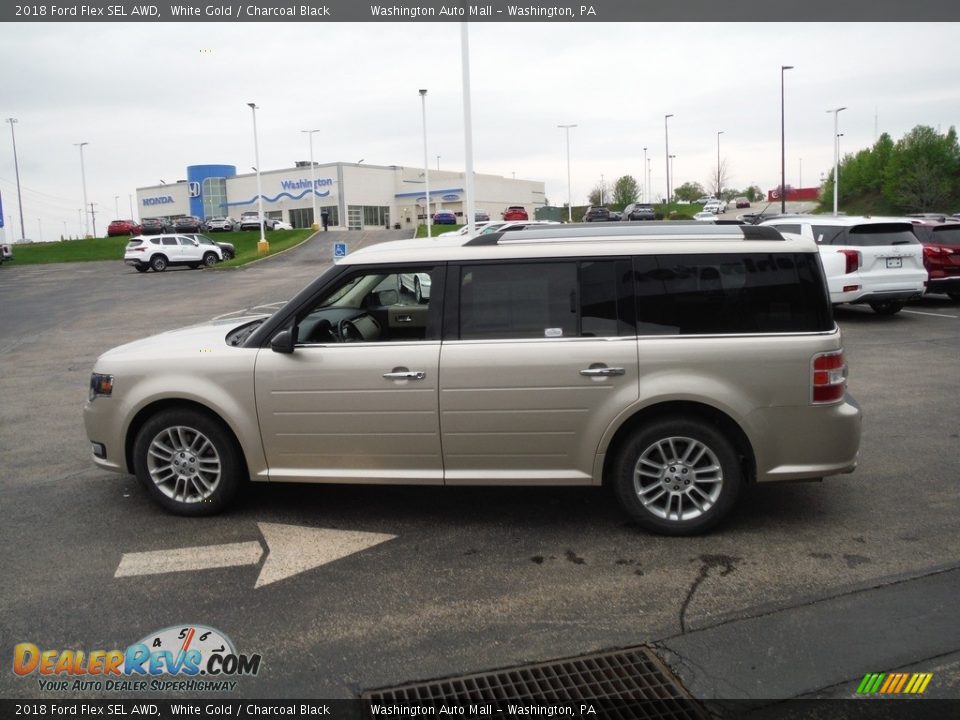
707	294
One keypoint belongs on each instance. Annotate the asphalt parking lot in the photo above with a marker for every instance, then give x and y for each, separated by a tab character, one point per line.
474	578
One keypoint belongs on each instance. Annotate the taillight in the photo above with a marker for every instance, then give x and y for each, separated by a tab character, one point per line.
829	377
853	260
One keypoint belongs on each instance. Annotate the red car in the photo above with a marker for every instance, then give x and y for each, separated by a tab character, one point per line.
941	256
122	227
515	212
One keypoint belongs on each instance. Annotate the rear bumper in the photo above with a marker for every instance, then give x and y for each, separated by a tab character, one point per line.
801	443
890	296
943	284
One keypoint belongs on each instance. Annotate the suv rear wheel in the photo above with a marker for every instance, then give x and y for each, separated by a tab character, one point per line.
677	476
158	263
188	462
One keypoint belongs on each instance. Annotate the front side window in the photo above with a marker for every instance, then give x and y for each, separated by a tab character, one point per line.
169	241
381	305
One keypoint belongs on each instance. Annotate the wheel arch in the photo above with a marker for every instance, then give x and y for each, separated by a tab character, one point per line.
158	406
684	409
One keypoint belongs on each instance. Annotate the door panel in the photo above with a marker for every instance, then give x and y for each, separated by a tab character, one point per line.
328	414
522	412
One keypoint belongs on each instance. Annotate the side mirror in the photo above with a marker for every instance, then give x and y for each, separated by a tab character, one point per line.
284	341
388	297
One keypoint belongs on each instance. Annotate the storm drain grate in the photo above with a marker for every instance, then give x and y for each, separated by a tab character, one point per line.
627	684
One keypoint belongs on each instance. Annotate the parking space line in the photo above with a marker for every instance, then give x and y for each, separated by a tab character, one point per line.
918	312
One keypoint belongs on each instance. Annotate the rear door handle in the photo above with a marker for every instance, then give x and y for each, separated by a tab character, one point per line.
603	372
405	375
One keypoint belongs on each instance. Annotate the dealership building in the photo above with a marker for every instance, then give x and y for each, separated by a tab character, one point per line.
354	195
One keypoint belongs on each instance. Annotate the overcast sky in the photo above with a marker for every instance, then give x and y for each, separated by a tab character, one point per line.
151	99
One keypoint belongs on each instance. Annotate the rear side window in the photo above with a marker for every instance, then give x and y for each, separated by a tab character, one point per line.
169	241
708	294
589	298
795	229
873	235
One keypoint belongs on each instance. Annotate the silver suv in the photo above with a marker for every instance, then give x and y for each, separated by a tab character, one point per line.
678	364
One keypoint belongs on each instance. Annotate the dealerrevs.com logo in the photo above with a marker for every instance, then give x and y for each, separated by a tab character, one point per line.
176	659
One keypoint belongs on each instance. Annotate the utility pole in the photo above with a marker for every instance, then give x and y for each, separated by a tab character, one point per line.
93	219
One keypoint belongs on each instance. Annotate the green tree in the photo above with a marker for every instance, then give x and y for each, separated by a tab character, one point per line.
625	191
689	191
923	169
754	193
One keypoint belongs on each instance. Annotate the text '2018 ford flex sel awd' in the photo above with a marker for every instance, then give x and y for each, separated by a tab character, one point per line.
678	364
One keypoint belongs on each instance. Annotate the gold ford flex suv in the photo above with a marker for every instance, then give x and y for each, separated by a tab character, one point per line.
676	363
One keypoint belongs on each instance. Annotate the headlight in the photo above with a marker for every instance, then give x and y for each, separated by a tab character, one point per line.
100	385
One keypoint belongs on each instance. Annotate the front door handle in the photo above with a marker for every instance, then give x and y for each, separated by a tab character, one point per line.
405	375
603	372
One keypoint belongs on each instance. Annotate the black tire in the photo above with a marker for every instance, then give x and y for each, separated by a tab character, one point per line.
209	259
889	307
663	443
158	263
177	490
417	291
142	268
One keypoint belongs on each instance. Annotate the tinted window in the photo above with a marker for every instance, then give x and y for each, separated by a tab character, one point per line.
169	241
946	235
866	235
186	241
591	298
518	300
723	294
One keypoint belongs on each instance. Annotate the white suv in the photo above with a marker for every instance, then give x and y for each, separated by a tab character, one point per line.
158	252
678	364
868	260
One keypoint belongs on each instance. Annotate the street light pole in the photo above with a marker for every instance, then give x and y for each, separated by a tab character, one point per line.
116	206
569	192
426	160
646	177
313	180
719	133
471	203
262	246
836	156
601	188
666	142
83	176
783	151
16	169
671	165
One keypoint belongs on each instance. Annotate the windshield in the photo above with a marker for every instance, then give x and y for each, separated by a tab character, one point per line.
946	235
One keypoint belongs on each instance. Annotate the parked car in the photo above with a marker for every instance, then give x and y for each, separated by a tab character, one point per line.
251	221
444	217
704	199
742	202
705	216
418	284
596	213
123	227
481	216
716	207
515	212
317	391
639	211
282	225
465	230
872	261
154	226
6	252
505	227
616	216
158	252
228	249
941	256
188	224
221	224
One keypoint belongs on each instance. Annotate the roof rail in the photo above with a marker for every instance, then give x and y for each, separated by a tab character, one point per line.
577	232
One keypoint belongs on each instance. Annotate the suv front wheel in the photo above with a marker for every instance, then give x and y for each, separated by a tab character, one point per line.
677	476
188	462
